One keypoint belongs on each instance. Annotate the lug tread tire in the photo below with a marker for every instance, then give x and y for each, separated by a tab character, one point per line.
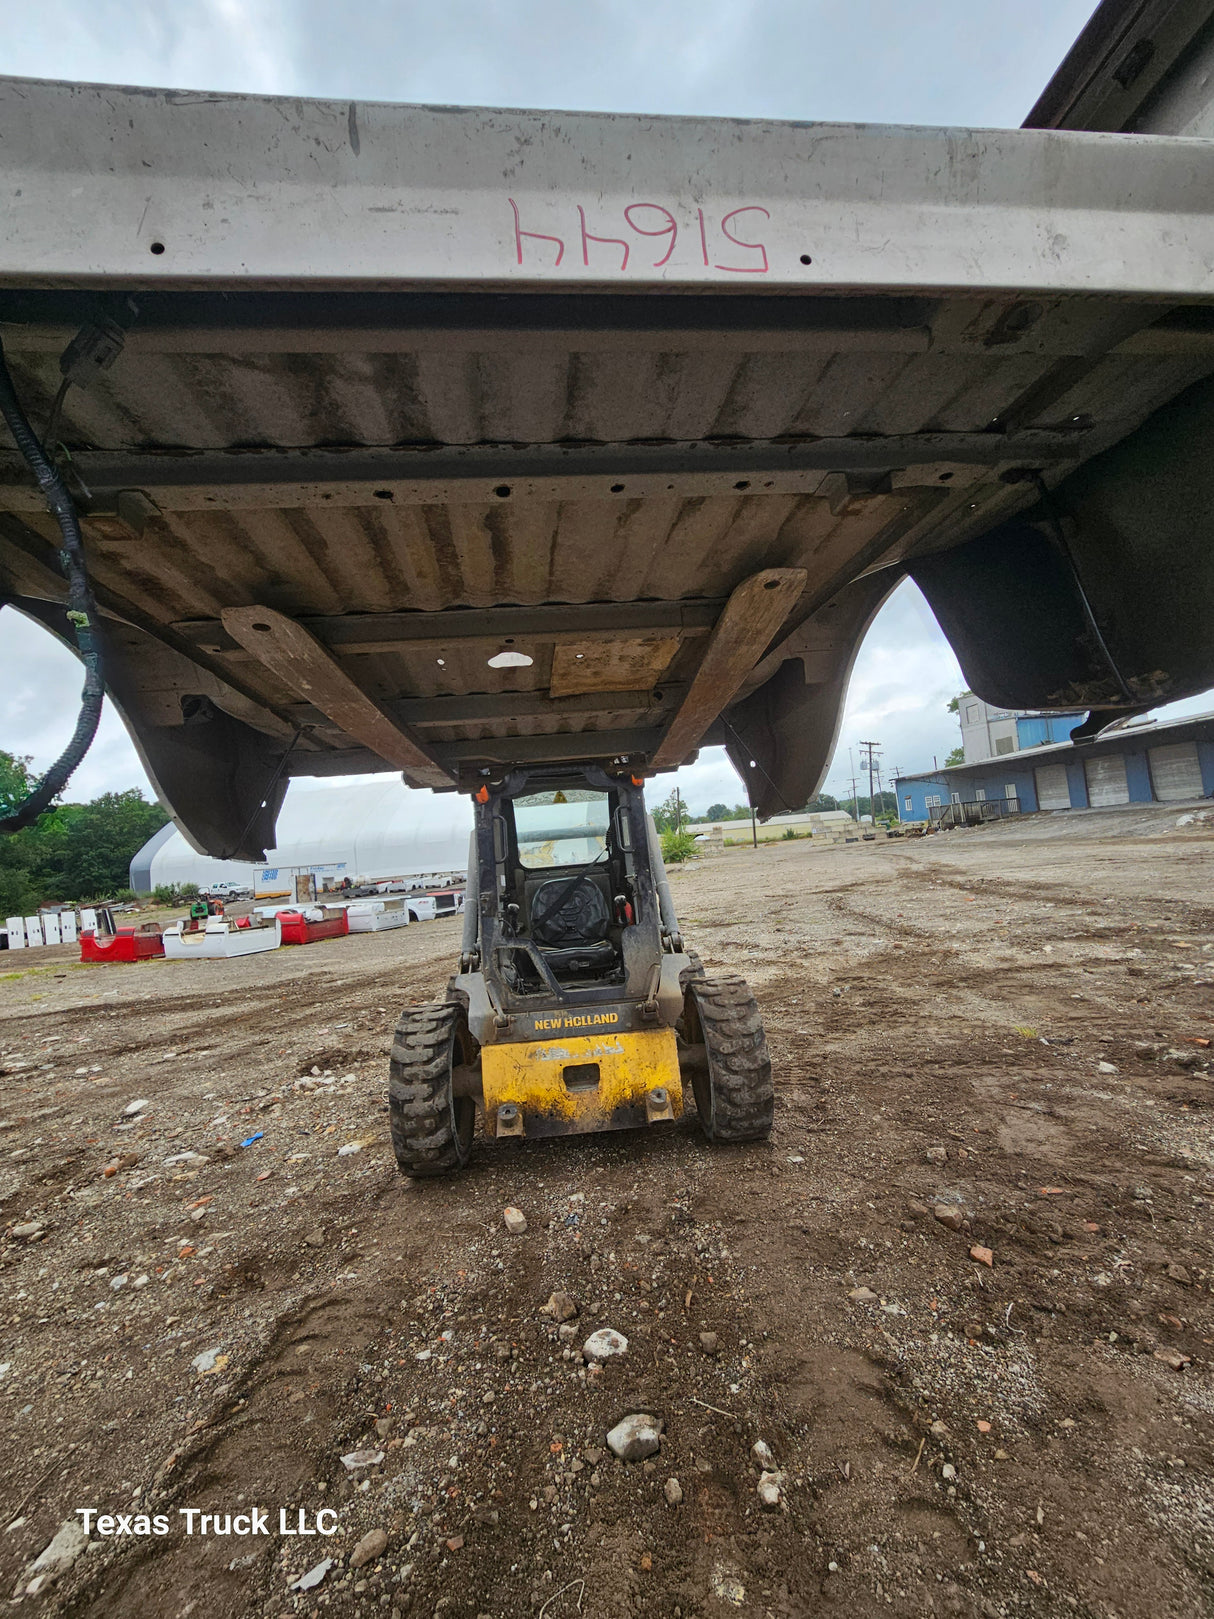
431	1130
739	1066
695	971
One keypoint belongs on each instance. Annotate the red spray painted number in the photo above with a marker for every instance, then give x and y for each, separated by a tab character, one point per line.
731	243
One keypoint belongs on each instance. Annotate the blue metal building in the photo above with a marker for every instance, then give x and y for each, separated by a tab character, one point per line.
1142	763
1039	730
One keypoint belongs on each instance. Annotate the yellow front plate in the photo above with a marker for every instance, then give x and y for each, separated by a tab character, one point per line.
553	1084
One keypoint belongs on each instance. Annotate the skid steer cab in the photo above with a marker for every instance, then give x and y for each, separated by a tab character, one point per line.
576	1007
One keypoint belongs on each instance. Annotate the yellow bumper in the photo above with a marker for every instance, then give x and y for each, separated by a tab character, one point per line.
580	1084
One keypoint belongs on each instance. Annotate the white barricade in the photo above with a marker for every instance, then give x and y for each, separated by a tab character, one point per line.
16	932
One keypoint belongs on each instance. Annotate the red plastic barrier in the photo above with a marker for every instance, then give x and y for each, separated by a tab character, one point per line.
296	929
128	944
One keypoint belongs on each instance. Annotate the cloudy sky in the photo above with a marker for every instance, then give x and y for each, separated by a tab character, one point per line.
974	62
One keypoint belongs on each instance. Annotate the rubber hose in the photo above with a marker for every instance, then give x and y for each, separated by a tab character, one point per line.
81	608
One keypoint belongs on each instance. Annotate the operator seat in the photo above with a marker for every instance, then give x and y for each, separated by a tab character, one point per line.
570	919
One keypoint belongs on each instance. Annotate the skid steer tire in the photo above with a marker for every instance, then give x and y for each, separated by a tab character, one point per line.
696	970
432	1128
733	1092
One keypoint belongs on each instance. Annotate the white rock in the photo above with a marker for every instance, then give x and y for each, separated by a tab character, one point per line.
948	1471
673	1491
635	1438
205	1362
70	1540
604	1343
350	1148
761	1453
771	1486
355	1459
1107	1068
132	1108
313	1577
515	1221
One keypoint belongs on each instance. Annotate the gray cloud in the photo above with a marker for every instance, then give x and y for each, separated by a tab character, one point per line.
951	62
872	61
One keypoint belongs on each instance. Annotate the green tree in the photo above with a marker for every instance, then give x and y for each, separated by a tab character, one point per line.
717	812
666	815
15	781
821	804
956	757
18	891
89	853
73	852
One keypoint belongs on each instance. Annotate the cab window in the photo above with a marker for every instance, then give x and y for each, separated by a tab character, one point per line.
560	828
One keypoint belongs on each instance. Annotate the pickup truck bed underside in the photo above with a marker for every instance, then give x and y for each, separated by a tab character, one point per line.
320	507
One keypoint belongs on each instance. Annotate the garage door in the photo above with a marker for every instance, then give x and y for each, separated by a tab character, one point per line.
1052	789
1175	772
1106	780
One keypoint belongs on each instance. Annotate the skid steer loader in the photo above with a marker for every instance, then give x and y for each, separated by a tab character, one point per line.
576	1006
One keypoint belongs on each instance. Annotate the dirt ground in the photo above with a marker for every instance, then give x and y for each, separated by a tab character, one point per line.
1008	1026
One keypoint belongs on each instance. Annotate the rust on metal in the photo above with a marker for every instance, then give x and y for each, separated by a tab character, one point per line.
299	660
753	614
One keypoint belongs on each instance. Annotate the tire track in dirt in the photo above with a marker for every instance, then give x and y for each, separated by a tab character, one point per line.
864	1406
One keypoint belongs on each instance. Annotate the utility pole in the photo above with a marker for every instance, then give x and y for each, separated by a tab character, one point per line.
750	799
678	811
872	763
855	797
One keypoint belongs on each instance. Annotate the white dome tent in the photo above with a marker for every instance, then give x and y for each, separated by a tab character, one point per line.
368	831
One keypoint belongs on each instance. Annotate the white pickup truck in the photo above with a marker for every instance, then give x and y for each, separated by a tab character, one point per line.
227	891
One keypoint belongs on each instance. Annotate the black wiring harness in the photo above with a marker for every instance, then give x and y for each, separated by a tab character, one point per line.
81	608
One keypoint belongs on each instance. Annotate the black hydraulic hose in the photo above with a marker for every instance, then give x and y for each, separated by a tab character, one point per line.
81	608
